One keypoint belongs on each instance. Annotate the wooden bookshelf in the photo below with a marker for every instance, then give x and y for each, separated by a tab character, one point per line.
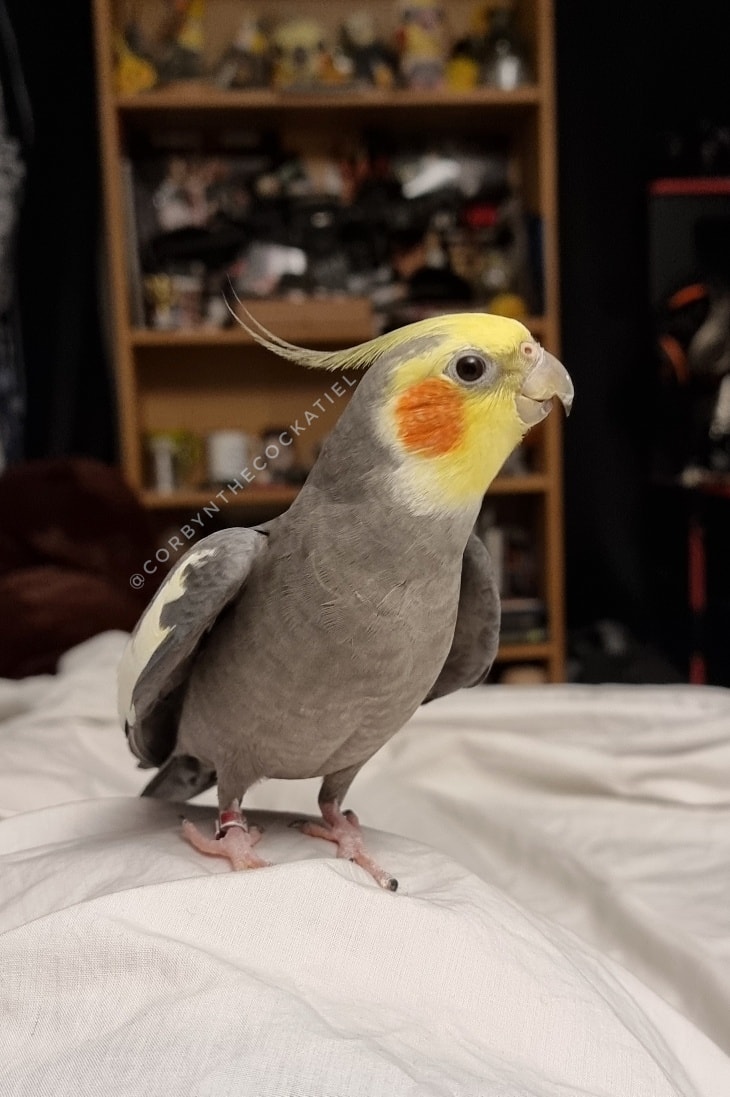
206	378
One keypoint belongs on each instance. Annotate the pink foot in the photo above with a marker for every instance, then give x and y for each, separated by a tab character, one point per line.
234	840
343	828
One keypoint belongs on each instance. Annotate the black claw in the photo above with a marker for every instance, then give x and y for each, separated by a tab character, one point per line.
392	884
348	813
296	823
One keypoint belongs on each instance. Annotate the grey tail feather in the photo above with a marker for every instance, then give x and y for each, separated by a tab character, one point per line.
181	778
144	762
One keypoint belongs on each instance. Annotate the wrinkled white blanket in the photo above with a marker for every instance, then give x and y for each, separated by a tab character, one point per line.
586	952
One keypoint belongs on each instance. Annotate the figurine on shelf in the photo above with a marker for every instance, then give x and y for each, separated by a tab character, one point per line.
216	315
512	305
336	69
182	199
227	452
505	61
159	299
462	73
247	61
174	299
464	66
281	462
421	44
133	70
372	63
302	59
181	49
175	459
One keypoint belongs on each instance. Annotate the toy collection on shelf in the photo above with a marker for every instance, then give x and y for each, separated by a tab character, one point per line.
299	54
180	460
409	227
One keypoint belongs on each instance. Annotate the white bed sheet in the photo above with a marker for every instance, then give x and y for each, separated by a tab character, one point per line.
594	827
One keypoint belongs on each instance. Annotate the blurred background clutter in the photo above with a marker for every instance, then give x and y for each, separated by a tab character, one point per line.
340	170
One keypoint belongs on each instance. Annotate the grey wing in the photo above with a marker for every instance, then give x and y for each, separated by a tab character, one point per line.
476	636
155	665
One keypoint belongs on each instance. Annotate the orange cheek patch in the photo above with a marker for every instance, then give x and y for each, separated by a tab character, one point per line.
430	417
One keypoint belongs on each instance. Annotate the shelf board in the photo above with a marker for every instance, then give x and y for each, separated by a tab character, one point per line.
282	495
534	483
239	337
190	337
249	499
337	330
518	653
326	320
198	95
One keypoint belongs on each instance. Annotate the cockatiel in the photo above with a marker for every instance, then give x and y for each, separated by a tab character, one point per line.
298	649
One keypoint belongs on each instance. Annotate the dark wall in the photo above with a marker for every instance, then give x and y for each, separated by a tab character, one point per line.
67	372
626	74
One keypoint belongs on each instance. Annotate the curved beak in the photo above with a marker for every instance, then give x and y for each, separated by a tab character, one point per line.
547	379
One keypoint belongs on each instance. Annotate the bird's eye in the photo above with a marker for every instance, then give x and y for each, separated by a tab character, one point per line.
470	368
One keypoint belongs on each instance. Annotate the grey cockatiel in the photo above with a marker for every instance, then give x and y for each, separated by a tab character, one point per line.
298	650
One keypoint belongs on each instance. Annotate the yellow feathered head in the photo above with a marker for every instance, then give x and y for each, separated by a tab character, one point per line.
449	397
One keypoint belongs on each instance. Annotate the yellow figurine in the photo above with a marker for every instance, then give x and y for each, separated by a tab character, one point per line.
421	43
132	72
512	305
181	54
302	59
462	73
373	64
246	63
463	69
190	35
299	51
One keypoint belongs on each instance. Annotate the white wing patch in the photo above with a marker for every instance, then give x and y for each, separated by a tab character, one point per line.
150	633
